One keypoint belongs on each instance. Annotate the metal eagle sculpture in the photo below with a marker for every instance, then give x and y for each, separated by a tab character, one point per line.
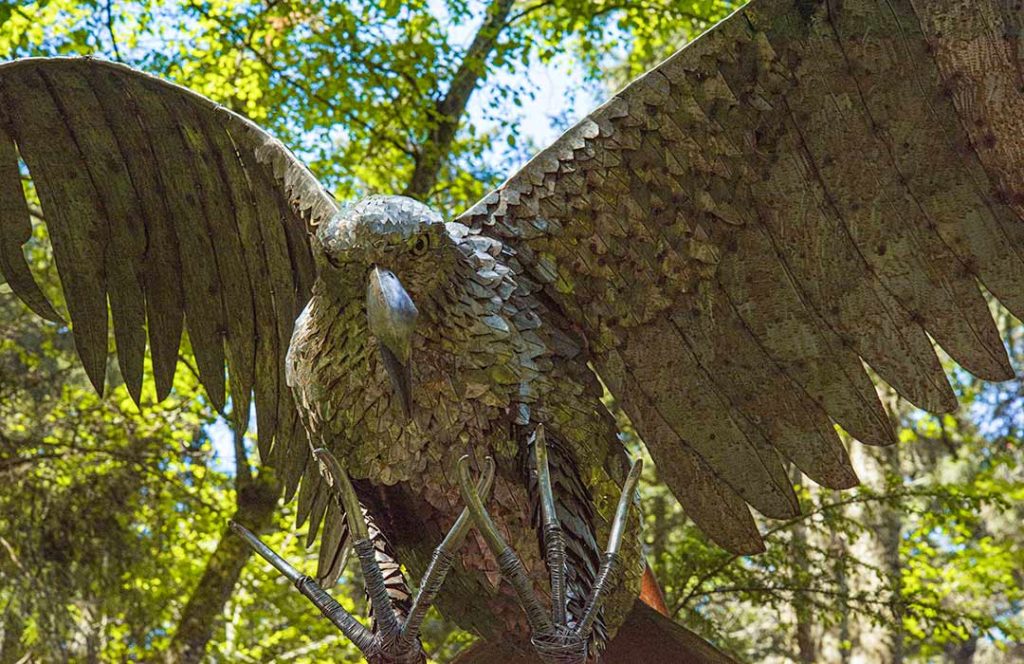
807	186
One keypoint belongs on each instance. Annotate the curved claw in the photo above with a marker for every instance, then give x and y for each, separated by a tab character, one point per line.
441	562
354	630
622	509
610	562
554	538
510	564
341	486
345	495
462	525
476	509
265	552
547	501
399	642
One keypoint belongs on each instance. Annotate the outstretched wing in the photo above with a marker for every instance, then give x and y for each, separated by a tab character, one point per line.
807	185
174	210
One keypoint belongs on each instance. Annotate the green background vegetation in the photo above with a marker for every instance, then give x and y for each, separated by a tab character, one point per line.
112	519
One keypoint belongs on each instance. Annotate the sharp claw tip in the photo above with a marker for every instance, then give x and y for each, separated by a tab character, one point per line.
463	467
486	477
633	478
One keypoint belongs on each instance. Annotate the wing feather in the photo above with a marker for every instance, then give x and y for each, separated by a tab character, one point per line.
274	332
311	487
330	551
722	434
16	228
291	453
178	166
811	237
805	186
321	500
258	314
214	196
978	70
176	211
114	191
765	398
165	307
712	503
766	297
842	113
334	547
69	200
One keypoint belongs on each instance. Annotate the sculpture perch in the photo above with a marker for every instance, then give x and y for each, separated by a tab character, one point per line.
808	187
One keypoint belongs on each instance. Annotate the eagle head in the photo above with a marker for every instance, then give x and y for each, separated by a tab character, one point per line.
395	252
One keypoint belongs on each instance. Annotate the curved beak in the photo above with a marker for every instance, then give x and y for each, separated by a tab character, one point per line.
391	316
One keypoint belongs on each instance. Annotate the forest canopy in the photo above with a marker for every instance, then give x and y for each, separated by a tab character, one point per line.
113	519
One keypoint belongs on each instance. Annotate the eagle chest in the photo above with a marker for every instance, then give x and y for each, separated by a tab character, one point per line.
469	380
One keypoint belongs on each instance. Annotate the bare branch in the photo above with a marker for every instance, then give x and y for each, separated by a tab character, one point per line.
110	31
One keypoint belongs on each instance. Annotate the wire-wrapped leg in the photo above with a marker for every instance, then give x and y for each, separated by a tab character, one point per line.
611	563
554	538
329	607
508	561
344	495
393	640
553	638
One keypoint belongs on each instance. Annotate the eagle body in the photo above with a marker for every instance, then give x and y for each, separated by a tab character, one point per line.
485	372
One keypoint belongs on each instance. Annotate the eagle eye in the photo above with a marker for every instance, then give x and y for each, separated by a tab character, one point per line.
420	245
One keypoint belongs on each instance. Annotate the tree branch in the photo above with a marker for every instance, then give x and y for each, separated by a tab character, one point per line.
245	42
110	31
838	504
449	111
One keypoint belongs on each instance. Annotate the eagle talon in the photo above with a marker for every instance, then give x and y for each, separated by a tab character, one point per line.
391	641
558	638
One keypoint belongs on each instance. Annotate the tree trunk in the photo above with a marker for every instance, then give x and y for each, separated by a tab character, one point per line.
877	551
892	529
839	553
256	503
962	653
806	645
